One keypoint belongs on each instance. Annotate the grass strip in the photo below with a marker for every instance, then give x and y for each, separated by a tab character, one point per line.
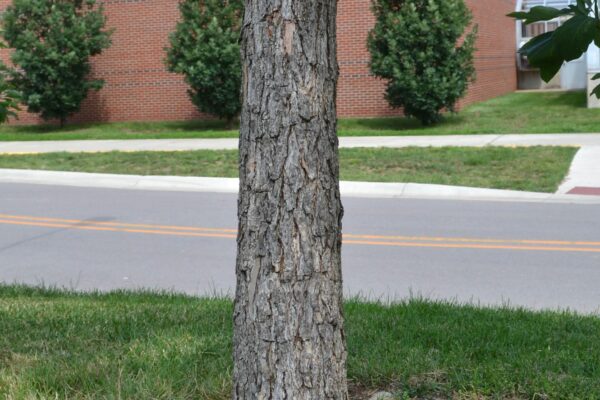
58	344
554	112
536	169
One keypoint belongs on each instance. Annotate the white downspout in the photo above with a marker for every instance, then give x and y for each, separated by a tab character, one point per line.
593	67
519	32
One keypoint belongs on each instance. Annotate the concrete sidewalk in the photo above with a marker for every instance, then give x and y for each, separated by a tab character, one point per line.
578	140
231	185
584	175
583	178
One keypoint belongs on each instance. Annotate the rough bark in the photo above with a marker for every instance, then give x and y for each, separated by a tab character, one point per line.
289	339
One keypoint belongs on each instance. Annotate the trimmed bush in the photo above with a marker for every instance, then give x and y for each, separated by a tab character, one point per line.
9	96
416	47
205	49
53	41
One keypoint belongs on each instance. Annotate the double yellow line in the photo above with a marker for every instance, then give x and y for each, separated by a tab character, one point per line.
353	239
91	225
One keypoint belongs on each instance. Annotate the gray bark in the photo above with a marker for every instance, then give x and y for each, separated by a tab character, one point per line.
288	321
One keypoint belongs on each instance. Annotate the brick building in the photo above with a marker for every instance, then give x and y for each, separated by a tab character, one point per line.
138	86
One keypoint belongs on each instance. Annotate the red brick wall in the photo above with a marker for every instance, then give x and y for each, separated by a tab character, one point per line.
495	60
138	87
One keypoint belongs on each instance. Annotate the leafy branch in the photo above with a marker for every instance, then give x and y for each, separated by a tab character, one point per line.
568	42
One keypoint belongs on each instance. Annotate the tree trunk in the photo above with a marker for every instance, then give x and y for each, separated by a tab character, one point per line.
229	123
288	337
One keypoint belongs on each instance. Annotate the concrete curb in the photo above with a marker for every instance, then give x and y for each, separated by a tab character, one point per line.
230	185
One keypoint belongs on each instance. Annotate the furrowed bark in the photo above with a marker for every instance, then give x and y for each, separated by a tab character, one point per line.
288	321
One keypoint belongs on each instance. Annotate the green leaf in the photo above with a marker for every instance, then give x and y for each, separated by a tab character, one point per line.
551	49
541	53
583	7
542	44
595	77
549	69
540	13
573	38
596	92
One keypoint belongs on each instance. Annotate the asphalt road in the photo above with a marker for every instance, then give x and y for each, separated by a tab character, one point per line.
524	254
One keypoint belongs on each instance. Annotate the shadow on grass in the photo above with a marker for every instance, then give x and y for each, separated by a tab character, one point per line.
573	99
45	128
514	112
398	123
182	126
125	127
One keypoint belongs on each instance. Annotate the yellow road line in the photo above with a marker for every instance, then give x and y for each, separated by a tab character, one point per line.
119	224
116	229
347	236
371	240
476	246
471	240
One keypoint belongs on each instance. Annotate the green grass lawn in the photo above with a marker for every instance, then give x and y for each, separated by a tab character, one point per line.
538	169
554	112
57	345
